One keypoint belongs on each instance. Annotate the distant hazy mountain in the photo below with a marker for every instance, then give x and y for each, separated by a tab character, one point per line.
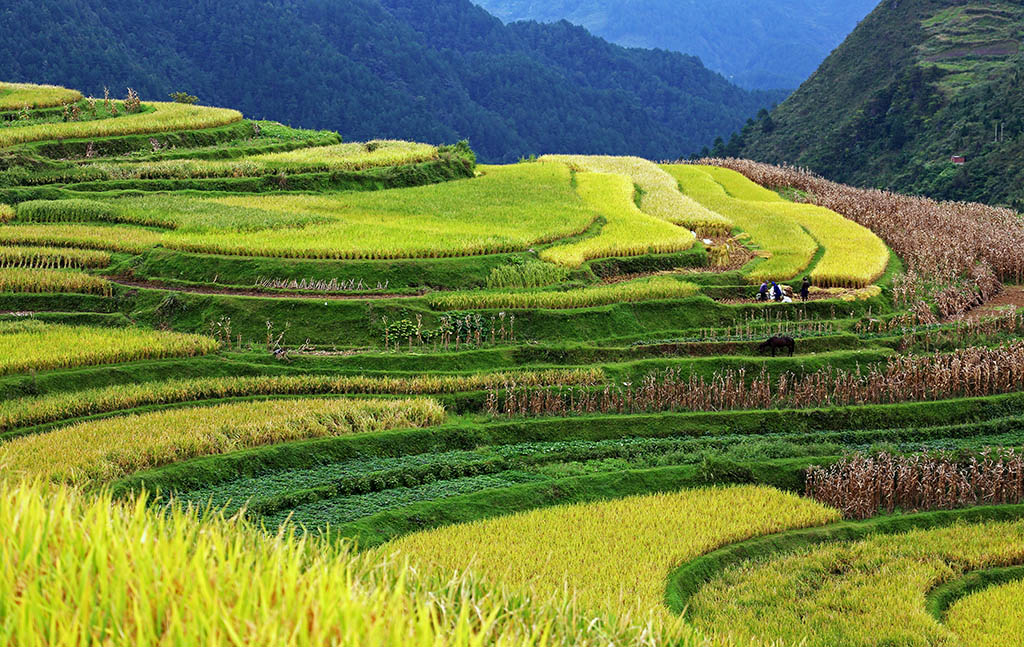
431	70
918	83
755	43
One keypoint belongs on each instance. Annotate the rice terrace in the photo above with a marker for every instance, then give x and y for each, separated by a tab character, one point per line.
265	386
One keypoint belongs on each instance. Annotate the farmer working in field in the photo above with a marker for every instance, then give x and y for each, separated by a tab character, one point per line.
805	289
776	291
763	294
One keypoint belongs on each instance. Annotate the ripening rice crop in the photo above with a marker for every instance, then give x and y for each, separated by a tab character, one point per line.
6	213
866	593
790	248
643	290
100	451
15	96
36	410
660	197
21	279
993	617
133	240
165	118
507	209
33	345
627	231
338	157
52	258
74	210
614	556
83	569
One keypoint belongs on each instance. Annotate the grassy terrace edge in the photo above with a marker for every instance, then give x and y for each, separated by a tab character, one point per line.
685	581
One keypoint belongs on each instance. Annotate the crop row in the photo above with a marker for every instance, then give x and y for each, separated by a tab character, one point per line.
660	195
338	157
634	291
965	248
46	281
862	593
96	452
317	593
48	258
992	617
789	249
612	556
132	240
15	96
33	345
627	230
166	117
967	372
24	412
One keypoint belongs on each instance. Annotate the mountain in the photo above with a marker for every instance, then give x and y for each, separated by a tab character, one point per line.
754	43
917	83
430	70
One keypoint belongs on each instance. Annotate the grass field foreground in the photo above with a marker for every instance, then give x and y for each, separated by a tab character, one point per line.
613	556
992	617
34	345
93	572
867	593
100	451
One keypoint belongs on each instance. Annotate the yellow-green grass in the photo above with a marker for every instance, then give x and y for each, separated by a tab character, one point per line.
52	257
22	279
508	209
660	195
166	117
96	452
15	96
631	292
614	557
627	231
790	248
866	593
993	617
133	240
340	157
738	186
23	412
6	213
84	569
33	345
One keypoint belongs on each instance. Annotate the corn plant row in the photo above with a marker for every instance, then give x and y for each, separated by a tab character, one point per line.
165	118
16	96
96	452
857	594
51	258
661	197
46	281
627	230
613	556
992	617
646	290
38	346
967	247
969	372
37	410
106	567
863	486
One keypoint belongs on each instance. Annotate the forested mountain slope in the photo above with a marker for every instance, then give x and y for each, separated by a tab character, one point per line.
919	82
427	70
757	44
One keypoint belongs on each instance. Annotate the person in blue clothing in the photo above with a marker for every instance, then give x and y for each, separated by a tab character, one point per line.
763	294
776	291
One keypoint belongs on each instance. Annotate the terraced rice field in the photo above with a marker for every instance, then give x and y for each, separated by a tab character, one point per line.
377	394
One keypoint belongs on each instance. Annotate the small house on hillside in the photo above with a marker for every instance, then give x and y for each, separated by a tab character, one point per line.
958	159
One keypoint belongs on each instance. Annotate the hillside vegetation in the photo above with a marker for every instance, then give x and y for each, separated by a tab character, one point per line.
917	83
393	69
259	385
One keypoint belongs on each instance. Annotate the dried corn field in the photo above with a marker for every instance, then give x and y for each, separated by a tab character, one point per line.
967	248
965	373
